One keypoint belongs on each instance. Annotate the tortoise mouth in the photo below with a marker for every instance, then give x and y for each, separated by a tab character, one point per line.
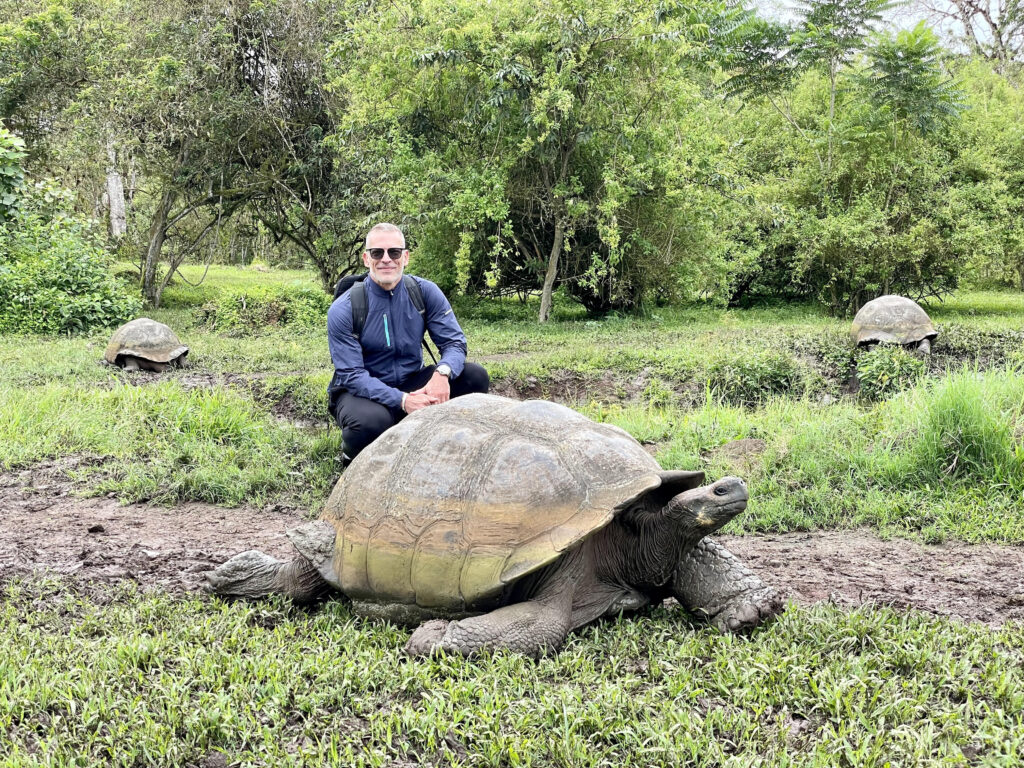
729	510
719	514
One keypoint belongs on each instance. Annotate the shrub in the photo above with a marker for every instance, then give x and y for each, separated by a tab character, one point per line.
252	309
886	370
12	173
751	377
55	278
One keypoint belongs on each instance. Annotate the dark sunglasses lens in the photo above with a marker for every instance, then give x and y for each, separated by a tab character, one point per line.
378	253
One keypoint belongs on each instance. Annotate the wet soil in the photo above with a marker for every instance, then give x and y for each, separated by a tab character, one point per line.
98	541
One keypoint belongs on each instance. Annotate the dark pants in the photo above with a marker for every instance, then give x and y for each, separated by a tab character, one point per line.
362	420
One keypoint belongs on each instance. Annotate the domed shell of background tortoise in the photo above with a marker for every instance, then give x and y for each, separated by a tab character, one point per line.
147	339
452	505
891	320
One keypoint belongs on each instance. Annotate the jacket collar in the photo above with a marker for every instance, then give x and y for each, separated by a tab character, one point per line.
376	290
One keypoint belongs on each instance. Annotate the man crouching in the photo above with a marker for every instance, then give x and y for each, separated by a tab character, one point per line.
379	376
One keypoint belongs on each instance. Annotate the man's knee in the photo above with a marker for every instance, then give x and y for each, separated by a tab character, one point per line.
362	421
473	378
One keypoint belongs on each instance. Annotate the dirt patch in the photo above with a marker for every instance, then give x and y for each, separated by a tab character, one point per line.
977	582
46	530
568	386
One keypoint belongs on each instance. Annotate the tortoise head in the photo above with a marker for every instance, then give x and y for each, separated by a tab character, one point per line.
706	509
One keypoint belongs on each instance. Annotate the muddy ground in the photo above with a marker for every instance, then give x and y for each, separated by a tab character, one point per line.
97	541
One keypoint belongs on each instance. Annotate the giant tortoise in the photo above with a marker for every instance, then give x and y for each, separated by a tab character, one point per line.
893	320
502	523
145	344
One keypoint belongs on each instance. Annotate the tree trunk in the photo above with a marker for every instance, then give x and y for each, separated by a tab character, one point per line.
115	196
833	74
552	273
151	287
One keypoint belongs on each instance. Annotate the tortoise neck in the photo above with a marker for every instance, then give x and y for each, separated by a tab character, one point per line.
641	547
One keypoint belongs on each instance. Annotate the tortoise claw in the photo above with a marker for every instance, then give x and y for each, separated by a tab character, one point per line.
747	612
426	640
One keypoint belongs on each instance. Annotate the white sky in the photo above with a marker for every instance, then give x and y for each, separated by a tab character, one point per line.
904	17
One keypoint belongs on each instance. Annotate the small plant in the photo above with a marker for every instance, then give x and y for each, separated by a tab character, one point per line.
886	370
12	173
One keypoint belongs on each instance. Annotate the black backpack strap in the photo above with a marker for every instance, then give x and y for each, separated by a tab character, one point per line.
416	296
347	282
357	293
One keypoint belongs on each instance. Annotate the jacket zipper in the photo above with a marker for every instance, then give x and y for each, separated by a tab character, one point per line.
387	335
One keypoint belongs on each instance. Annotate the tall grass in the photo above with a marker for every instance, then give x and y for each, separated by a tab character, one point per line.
165	443
942	460
966	428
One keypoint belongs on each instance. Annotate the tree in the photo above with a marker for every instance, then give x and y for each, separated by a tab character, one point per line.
216	109
868	215
992	29
532	138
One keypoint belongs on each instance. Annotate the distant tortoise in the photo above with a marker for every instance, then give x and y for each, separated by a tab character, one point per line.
145	344
526	517
893	320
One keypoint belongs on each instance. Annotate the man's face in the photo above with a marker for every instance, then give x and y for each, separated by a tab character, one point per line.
386	272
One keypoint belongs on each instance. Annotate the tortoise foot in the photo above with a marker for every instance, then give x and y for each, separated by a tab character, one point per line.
748	610
427	638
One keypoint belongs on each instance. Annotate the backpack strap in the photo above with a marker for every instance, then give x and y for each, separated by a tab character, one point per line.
416	296
357	294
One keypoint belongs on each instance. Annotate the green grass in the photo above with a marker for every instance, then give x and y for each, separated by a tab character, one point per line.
687	379
944	460
205	285
146	680
167	444
118	678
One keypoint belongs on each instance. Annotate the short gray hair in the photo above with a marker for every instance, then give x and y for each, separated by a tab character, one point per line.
384	227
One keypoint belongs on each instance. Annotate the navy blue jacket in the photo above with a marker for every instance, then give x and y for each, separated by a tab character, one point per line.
388	352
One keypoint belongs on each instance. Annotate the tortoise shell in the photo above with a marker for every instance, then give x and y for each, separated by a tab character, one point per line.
456	502
146	339
892	320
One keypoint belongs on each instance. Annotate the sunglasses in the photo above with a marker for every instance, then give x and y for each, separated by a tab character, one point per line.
378	253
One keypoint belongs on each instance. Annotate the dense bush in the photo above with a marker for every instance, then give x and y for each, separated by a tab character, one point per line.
886	370
750	377
251	310
54	277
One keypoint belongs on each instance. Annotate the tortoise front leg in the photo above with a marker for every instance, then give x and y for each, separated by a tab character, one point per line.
711	582
532	628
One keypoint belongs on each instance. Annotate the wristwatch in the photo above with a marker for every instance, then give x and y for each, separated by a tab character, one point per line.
445	370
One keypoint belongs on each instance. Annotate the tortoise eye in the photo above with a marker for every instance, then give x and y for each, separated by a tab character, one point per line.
721	490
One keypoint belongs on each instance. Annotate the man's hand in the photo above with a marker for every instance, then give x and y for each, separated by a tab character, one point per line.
416	400
437	388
